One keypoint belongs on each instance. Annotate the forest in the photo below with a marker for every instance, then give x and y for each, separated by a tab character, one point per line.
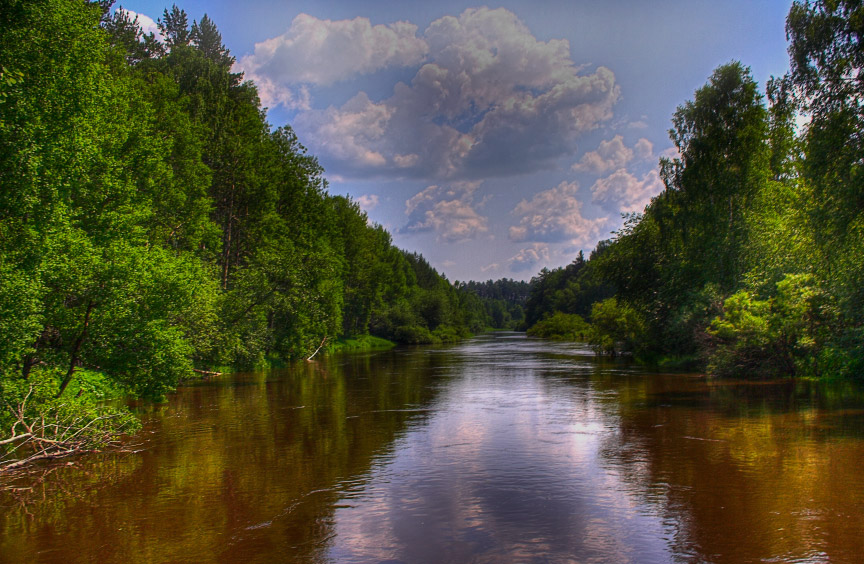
155	226
751	261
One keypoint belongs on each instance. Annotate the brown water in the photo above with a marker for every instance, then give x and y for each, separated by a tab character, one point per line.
500	449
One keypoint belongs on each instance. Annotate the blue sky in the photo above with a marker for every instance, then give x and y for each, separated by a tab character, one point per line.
496	139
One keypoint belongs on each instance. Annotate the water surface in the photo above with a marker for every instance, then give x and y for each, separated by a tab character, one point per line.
500	449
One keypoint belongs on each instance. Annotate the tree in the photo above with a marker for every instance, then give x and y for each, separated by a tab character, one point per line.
616	327
721	138
208	40
174	26
827	59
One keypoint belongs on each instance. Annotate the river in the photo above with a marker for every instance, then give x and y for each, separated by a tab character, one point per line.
498	449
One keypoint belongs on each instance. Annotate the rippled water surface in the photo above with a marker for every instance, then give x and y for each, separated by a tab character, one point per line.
500	449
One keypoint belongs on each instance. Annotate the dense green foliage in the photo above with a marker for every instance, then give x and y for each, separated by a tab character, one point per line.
152	222
751	258
571	289
561	327
502	300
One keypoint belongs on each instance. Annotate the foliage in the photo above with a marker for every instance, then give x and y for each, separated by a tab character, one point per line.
615	327
152	221
41	426
359	343
751	258
561	326
502	302
786	334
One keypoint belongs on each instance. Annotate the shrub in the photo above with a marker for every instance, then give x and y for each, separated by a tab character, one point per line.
615	327
787	334
414	335
561	326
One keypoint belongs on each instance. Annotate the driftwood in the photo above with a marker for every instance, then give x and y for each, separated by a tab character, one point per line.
52	435
323	342
206	372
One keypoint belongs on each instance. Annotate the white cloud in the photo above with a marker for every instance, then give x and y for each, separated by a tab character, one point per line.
450	211
368	201
323	52
623	192
555	215
613	154
145	22
527	258
491	100
353	130
643	149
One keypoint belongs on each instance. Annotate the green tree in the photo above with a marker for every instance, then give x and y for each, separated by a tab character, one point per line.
615	327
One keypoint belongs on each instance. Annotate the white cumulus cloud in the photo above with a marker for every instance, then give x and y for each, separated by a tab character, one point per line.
450	211
622	191
529	257
323	52
490	100
353	131
368	201
613	154
555	215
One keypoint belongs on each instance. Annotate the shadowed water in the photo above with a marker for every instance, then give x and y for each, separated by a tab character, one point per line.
500	449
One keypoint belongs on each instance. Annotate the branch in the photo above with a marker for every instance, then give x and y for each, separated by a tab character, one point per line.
323	341
15	438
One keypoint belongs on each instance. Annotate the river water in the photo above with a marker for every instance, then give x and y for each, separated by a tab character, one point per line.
499	449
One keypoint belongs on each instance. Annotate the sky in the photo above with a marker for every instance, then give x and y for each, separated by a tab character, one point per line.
495	139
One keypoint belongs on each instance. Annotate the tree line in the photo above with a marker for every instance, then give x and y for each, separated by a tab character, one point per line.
750	261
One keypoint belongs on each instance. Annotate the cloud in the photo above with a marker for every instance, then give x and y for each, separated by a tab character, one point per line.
368	201
613	154
145	22
528	257
555	215
353	130
670	153
449	211
323	52
622	191
490	100
643	149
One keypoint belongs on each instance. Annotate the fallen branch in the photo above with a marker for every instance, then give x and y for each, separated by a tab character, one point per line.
323	342
57	431
12	465
206	372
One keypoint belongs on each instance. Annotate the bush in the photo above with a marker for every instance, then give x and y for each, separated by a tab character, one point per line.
615	328
787	334
414	335
448	334
561	326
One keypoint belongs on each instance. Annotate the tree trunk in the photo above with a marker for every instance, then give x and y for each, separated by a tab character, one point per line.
75	350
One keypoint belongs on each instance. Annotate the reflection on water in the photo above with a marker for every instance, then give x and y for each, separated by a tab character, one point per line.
501	449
